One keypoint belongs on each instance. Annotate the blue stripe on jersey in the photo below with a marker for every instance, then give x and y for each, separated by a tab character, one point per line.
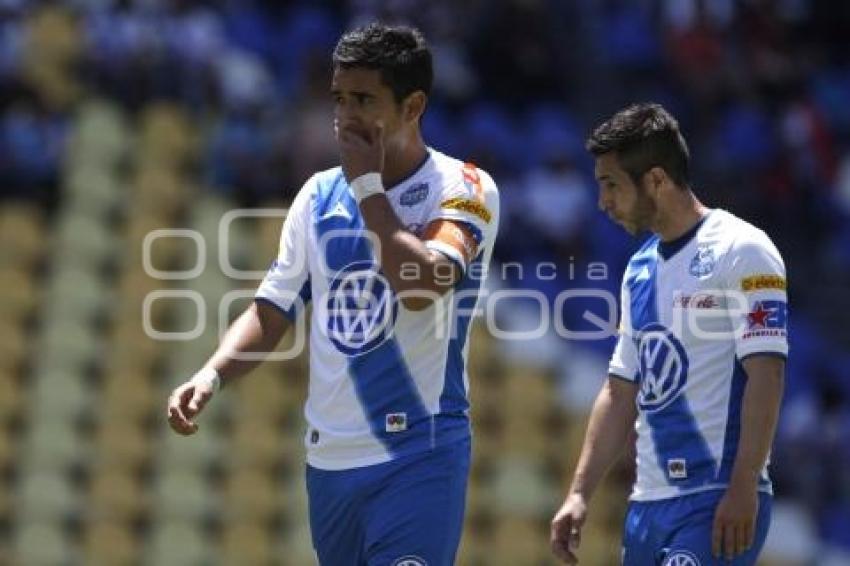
733	425
640	280
675	434
381	377
453	400
385	387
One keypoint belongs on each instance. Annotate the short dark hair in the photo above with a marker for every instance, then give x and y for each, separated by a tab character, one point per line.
400	53
644	136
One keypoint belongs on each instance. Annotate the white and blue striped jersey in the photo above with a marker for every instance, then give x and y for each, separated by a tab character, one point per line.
691	311
384	381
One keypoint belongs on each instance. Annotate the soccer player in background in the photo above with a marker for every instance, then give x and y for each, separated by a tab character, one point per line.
698	368
390	248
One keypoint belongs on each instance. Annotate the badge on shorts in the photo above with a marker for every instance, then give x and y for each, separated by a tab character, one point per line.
677	468
396	422
681	558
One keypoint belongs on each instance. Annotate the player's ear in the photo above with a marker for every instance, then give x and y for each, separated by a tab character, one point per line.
656	179
414	106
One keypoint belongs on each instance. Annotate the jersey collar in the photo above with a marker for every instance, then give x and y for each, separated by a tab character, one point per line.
668	249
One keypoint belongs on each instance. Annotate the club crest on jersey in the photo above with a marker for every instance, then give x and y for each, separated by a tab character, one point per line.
410	561
663	367
414	195
703	262
361	309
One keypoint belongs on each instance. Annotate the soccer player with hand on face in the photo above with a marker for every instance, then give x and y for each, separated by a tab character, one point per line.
390	249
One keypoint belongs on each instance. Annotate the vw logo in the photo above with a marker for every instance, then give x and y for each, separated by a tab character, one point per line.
361	309
663	367
410	561
682	558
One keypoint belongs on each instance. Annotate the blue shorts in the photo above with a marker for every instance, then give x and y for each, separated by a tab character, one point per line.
408	512
677	531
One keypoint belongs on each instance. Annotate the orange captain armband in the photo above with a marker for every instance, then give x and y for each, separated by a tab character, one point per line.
453	239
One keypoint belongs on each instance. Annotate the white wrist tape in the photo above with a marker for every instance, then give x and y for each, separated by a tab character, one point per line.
207	376
367	185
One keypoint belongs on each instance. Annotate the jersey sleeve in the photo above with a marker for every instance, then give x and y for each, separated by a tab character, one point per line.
759	300
469	199
287	282
624	360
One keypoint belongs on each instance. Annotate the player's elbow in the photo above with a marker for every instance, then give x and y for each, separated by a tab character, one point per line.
417	300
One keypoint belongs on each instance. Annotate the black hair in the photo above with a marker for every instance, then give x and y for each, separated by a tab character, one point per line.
400	53
644	136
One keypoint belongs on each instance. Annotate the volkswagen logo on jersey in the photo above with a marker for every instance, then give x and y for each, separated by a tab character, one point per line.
663	367
361	309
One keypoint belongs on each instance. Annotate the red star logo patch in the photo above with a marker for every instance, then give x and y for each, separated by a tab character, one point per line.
758	317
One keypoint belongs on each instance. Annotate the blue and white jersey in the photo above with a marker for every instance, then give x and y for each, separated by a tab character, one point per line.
692	310
384	381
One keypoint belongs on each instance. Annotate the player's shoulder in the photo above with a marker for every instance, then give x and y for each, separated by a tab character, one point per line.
326	179
455	172
741	237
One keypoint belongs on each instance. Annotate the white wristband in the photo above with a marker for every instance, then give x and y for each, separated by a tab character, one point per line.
367	185
207	376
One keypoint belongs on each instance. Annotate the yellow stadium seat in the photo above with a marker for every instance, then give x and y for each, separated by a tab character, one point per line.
8	452
250	495
22	235
160	191
246	543
167	135
255	443
129	396
115	495
122	443
14	351
110	543
520	541
20	294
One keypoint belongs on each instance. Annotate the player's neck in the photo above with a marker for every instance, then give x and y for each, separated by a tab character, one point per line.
405	163
681	216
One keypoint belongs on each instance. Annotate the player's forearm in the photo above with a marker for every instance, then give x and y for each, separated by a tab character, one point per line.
611	420
405	260
759	415
249	339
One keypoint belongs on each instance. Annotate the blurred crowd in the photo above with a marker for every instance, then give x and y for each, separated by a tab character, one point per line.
761	89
